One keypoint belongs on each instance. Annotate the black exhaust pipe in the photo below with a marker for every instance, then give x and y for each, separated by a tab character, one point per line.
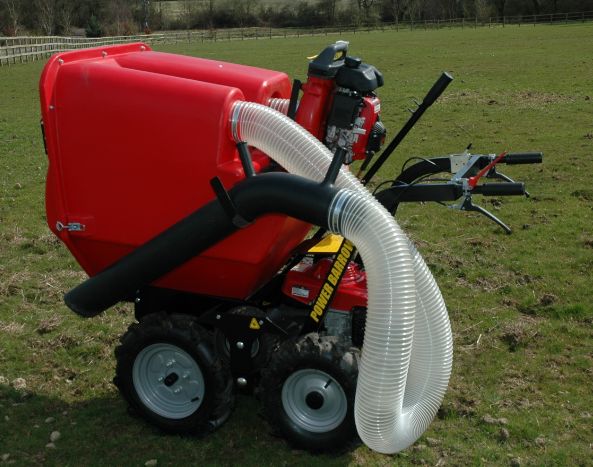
280	193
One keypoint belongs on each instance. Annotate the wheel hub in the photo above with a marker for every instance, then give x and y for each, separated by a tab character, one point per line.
314	400
171	379
168	380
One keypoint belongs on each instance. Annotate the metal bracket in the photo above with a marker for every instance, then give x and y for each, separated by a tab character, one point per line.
227	203
70	227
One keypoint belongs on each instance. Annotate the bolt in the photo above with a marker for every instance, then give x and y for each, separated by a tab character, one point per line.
261	322
161	378
137	300
170	362
60	61
178	390
218	316
241	381
240	345
51	107
142	48
104	54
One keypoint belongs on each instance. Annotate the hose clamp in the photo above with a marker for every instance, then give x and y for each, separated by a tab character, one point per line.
336	208
235	122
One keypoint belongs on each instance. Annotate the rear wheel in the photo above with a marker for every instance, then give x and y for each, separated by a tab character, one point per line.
169	374
308	392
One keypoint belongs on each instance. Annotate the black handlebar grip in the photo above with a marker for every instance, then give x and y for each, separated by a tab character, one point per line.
500	189
523	158
437	89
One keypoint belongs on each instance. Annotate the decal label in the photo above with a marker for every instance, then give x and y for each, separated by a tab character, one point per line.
254	324
332	280
300	292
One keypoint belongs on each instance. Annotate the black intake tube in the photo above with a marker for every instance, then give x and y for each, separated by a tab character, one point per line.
282	193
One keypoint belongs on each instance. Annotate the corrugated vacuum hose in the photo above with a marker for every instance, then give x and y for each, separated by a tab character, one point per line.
407	351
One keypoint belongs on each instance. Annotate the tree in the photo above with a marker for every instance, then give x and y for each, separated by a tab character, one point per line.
365	6
328	9
499	4
119	17
395	8
93	29
483	9
243	11
187	13
13	10
46	15
65	16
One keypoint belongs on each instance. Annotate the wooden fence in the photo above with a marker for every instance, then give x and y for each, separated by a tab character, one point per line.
23	49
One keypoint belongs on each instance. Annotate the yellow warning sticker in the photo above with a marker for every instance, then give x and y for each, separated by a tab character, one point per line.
254	324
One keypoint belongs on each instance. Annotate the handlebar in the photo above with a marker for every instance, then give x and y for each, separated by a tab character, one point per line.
500	189
523	158
437	89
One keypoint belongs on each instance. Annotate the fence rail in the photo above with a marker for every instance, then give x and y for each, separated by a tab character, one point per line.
23	49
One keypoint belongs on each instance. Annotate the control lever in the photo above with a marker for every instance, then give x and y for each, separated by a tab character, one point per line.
468	205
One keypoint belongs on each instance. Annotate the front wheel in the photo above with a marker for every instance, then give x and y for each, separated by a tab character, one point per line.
308	392
168	373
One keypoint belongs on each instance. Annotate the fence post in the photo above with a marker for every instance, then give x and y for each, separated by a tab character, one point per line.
566	19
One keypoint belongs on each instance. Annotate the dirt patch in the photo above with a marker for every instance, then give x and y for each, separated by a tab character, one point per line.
519	333
48	325
12	328
583	195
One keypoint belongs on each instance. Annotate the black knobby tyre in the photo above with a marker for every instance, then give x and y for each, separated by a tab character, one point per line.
308	393
169	374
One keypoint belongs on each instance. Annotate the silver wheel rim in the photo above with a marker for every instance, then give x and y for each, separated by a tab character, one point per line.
314	400
168	381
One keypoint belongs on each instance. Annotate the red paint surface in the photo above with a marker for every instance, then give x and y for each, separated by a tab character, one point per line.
351	293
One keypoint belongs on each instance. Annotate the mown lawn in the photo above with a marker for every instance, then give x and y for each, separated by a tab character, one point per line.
521	306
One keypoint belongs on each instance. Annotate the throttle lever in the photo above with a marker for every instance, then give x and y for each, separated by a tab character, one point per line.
473	181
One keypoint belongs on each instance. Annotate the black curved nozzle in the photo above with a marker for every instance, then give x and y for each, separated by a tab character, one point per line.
263	194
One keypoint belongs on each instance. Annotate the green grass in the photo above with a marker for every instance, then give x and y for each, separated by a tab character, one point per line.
521	306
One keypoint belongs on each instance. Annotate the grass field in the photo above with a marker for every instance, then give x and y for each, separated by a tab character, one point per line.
521	306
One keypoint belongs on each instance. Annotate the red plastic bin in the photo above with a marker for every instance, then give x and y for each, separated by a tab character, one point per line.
133	138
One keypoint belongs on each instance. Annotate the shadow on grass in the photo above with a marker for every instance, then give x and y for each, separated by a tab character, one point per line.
100	431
